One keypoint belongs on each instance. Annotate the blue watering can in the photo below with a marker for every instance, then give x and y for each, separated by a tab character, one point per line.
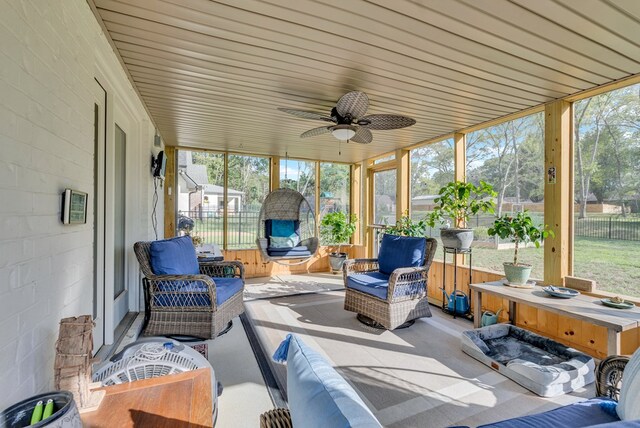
489	318
457	302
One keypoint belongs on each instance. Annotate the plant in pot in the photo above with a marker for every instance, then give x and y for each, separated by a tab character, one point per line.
336	229
406	226
520	229
458	201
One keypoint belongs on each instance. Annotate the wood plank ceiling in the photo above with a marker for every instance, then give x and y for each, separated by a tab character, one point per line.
212	73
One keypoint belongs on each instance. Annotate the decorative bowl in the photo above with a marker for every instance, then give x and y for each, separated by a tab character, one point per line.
561	292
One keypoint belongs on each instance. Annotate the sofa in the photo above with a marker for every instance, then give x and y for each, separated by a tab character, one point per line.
320	397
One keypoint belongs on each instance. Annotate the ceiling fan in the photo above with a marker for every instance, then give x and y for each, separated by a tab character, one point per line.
348	119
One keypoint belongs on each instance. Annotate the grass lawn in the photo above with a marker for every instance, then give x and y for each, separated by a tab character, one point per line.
614	265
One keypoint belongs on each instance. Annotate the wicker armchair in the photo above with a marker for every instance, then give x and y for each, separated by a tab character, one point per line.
177	304
406	295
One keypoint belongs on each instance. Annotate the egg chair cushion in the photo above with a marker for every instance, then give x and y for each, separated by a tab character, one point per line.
299	251
284	241
280	228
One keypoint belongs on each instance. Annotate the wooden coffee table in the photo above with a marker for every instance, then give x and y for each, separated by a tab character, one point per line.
180	400
581	307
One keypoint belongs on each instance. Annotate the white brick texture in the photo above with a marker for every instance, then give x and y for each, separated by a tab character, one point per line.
48	62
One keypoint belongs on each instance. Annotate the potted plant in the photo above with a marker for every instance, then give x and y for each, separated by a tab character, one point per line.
458	201
405	226
520	229
337	229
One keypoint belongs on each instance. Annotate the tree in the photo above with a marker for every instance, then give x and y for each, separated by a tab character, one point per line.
214	163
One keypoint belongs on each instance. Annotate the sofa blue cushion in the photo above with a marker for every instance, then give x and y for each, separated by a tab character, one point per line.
225	288
583	414
318	396
175	256
373	283
400	251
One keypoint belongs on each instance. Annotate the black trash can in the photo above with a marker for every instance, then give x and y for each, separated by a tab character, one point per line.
65	412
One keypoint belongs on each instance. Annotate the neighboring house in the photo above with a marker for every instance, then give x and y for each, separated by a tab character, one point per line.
195	193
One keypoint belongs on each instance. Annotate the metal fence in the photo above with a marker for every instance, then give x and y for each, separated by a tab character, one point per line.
242	227
612	227
601	227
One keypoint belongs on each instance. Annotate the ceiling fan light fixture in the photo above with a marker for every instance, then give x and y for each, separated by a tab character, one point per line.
343	132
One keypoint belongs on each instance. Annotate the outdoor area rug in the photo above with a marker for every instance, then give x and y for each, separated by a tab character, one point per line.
414	377
287	285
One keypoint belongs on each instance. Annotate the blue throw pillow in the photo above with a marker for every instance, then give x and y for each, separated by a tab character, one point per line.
175	256
400	251
282	228
318	396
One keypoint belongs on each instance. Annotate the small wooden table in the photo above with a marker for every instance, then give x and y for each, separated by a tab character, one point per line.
179	400
581	307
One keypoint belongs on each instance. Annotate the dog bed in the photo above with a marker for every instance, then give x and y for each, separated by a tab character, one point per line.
539	364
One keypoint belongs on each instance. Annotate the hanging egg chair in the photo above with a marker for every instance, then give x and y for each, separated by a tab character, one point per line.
286	228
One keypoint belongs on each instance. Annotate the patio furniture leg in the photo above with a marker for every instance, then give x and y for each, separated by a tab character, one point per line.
613	342
512	312
477	308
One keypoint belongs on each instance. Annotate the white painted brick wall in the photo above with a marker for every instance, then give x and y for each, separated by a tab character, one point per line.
48	52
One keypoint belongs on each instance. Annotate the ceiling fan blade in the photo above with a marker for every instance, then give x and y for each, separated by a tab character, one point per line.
316	131
386	121
363	136
306	114
353	103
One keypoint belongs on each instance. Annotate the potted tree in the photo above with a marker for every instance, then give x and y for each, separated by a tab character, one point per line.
520	229
458	201
336	229
406	226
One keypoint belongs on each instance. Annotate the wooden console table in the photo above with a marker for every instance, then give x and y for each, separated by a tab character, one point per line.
180	400
581	307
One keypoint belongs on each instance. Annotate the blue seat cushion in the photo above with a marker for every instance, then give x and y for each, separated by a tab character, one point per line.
225	288
299	251
583	414
373	283
400	251
175	256
318	396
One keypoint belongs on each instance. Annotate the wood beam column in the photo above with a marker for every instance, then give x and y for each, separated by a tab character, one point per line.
557	196
460	157
225	207
403	182
355	201
367	207
170	189
275	172
460	174
460	162
317	197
